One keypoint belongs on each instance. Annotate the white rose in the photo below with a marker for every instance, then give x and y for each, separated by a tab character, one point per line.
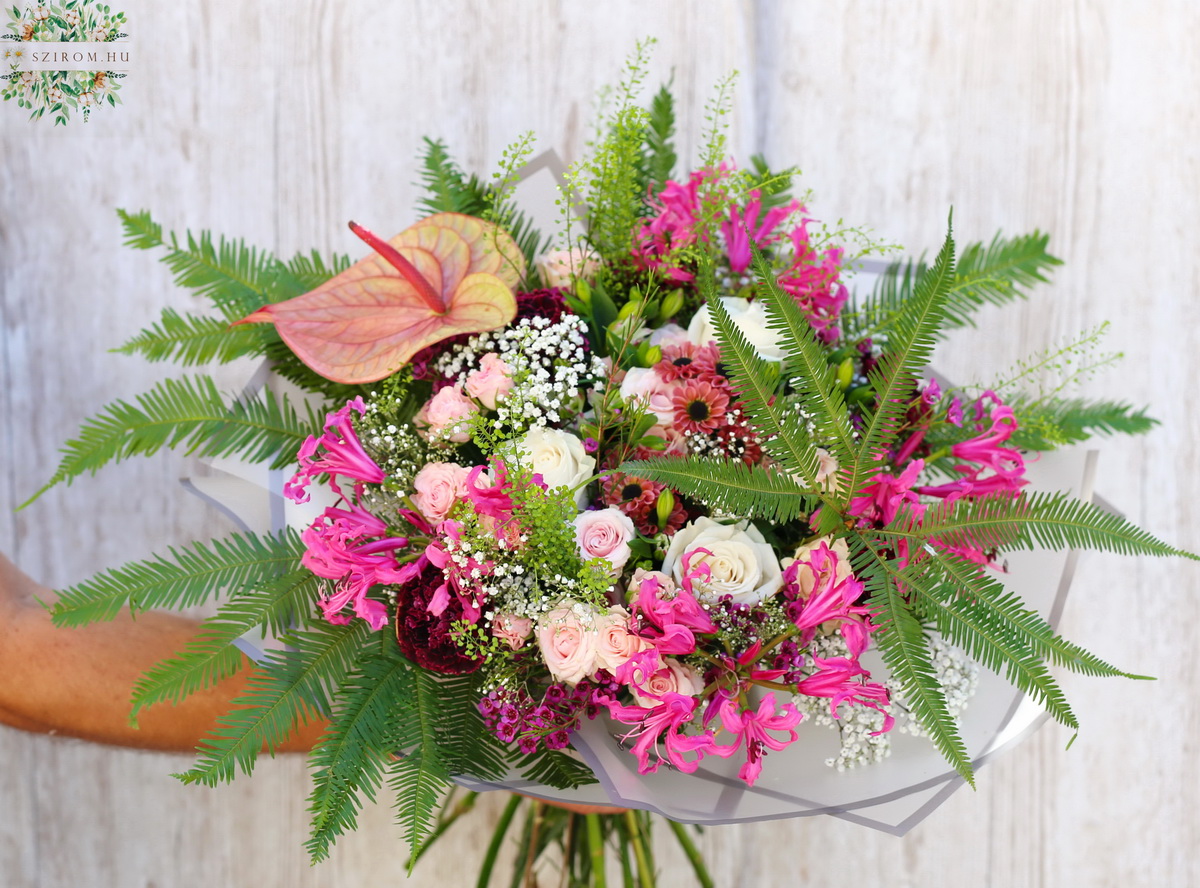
559	458
749	317
740	561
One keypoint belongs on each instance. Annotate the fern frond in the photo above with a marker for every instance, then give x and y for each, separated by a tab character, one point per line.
302	273
419	775
290	688
189	576
729	486
465	744
910	346
188	412
781	432
989	596
905	650
552	768
211	656
235	277
1047	423
813	377
997	274
1032	520
660	159
195	339
351	758
987	636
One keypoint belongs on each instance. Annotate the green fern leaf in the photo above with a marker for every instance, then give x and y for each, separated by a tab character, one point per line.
211	656
195	339
729	486
419	775
813	378
906	652
291	688
190	413
1048	423
552	768
997	274
659	162
351	758
909	348
189	576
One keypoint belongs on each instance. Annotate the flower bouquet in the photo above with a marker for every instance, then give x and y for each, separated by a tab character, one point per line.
670	493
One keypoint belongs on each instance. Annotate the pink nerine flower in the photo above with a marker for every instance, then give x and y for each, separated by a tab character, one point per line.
438	487
344	456
657	730
605	533
754	728
491	382
989	452
670	623
446	416
881	498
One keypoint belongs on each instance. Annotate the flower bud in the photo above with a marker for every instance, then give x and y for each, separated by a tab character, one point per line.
664	507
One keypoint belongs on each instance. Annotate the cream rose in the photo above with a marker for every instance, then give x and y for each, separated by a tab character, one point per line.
749	317
559	458
491	382
438	487
604	533
740	561
512	630
566	638
615	644
672	678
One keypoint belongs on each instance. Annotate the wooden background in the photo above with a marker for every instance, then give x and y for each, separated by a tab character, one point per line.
278	121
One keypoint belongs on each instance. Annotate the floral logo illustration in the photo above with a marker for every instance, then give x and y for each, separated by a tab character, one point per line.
58	93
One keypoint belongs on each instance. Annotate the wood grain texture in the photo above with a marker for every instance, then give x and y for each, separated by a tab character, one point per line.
278	122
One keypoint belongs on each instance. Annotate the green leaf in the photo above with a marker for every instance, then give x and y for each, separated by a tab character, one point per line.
211	656
909	348
555	769
660	158
189	576
906	652
419	775
189	413
352	757
196	339
291	687
1047	423
728	486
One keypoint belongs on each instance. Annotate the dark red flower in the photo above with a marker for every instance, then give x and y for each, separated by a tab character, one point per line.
425	639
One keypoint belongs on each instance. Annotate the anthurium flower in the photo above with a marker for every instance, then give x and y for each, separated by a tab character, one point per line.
447	274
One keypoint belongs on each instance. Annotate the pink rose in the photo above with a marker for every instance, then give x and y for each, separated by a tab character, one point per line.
438	487
567	641
604	533
512	630
445	417
559	268
665	587
615	644
671	678
654	393
491	382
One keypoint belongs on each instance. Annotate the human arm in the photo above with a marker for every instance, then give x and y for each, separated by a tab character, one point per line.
78	682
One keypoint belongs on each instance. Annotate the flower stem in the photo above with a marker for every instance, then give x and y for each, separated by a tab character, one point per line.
493	850
645	868
695	858
596	850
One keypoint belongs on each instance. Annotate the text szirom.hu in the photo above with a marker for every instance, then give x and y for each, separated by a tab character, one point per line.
37	56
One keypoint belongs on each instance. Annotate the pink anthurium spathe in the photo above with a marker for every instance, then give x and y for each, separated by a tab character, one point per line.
447	274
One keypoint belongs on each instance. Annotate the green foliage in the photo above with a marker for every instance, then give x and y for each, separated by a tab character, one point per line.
189	576
188	412
196	339
449	190
290	688
658	152
1055	422
995	274
211	656
732	487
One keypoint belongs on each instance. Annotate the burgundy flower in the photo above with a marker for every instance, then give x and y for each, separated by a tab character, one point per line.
426	639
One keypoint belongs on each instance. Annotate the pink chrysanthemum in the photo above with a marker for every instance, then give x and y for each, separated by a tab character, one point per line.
687	360
699	406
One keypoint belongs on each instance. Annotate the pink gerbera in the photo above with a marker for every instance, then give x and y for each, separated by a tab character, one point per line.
699	406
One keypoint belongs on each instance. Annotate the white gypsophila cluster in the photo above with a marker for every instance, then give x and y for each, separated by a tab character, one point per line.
551	367
956	673
509	587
